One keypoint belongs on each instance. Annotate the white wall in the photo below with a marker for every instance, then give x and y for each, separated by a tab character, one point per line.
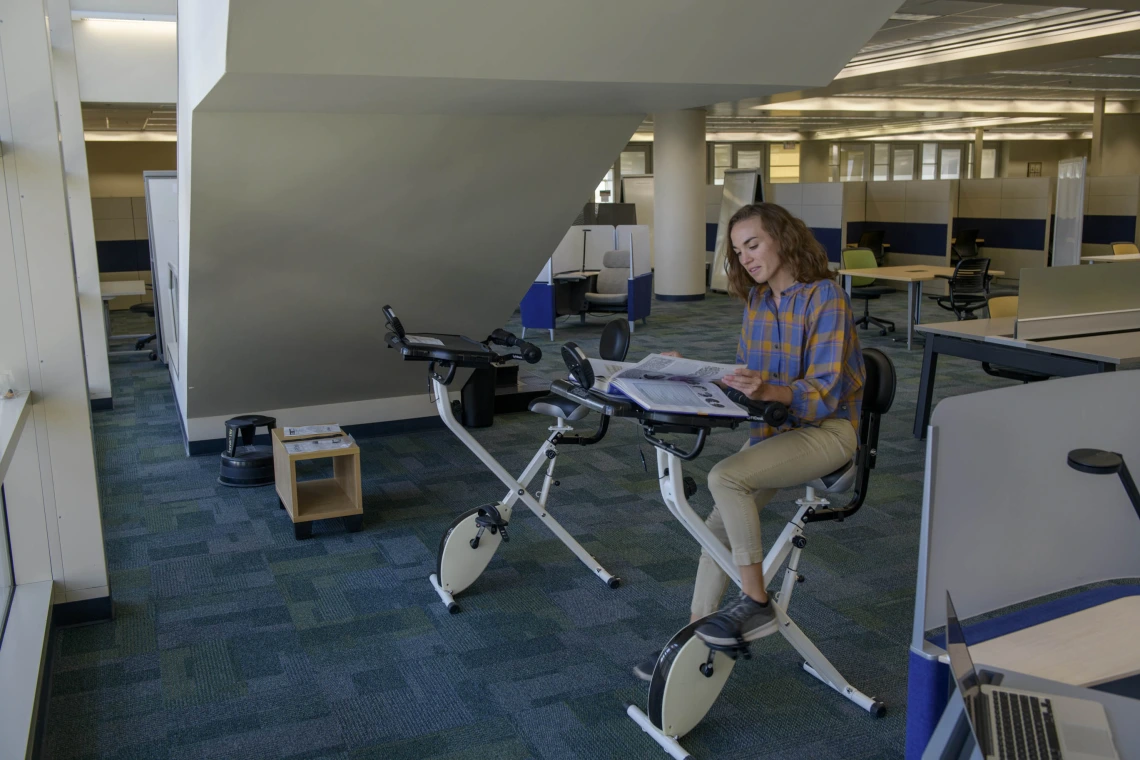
1016	155
52	493
1120	146
126	61
79	200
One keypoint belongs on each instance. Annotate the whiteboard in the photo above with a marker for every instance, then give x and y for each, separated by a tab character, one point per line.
162	220
741	187
1068	227
638	190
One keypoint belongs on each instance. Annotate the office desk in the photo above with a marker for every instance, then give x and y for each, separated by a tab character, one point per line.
979	241
1112	258
111	291
913	276
952	730
992	341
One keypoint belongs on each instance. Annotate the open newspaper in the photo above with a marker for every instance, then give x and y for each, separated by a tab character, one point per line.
672	384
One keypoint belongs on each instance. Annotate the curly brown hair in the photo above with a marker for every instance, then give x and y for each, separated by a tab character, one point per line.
799	249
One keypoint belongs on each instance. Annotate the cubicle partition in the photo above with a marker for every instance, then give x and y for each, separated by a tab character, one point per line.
1013	218
1006	522
1112	213
914	214
825	207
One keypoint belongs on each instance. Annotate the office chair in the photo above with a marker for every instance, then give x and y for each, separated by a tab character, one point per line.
969	288
1123	249
612	287
965	245
1006	306
873	240
864	288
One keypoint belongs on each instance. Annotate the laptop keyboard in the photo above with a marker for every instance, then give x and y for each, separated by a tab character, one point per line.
1025	727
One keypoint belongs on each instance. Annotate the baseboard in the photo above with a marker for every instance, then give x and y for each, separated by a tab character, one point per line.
80	613
102	404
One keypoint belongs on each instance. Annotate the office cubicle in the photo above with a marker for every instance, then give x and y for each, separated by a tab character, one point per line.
1013	217
1112	213
915	215
827	208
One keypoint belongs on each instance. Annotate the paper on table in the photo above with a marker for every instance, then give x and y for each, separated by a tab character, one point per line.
320	444
311	431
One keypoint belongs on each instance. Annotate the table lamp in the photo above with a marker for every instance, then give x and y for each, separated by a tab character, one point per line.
1100	462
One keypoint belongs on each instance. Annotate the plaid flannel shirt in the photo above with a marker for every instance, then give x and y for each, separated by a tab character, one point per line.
808	343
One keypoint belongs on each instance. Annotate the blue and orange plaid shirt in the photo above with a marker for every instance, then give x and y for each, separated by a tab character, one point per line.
809	343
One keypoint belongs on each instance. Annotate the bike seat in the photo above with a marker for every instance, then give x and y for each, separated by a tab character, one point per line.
557	406
836	482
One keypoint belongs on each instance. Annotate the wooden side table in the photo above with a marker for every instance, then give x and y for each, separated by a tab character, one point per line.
324	499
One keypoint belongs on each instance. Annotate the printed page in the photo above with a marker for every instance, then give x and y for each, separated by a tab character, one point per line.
604	370
320	444
660	367
310	431
680	395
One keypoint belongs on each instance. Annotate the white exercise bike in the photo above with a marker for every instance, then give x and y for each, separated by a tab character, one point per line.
690	674
470	542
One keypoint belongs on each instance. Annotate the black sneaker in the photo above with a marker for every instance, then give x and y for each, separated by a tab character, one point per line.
644	669
742	620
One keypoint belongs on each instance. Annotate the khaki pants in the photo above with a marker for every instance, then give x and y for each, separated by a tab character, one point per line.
743	483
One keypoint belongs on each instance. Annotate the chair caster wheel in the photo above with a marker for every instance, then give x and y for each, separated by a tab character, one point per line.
614	582
879	709
303	530
153	355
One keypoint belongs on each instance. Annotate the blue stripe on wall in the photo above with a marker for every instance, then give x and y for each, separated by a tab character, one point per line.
1102	230
123	255
710	236
831	238
905	237
1023	234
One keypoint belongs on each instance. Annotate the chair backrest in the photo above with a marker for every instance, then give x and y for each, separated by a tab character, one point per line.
1121	249
860	258
965	245
968	237
1003	306
614	344
970	275
873	239
614	277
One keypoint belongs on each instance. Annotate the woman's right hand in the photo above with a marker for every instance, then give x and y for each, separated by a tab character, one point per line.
671	353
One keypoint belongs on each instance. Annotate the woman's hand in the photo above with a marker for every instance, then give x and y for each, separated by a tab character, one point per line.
671	353
751	383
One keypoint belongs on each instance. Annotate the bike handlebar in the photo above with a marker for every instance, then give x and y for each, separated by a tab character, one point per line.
772	412
529	352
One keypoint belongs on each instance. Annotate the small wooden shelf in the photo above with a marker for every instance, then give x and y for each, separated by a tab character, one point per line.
309	500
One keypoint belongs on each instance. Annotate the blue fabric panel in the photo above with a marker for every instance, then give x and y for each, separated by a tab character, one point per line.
537	306
831	238
927	684
1023	234
710	236
640	296
123	255
905	237
1102	230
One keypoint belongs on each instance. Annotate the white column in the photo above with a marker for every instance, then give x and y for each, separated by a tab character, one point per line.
978	135
79	200
1095	155
53	497
679	156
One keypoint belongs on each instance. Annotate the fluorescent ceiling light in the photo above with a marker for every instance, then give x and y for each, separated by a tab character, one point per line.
113	16
1064	74
941	105
1065	88
129	136
969	136
643	137
911	17
912	127
1126	56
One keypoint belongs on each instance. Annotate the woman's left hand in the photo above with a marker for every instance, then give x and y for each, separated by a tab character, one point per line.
751	383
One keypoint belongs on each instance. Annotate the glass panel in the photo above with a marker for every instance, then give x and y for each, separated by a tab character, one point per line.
904	164
718	175
951	162
989	163
929	153
882	172
851	164
632	162
748	159
784	163
722	156
929	171
882	153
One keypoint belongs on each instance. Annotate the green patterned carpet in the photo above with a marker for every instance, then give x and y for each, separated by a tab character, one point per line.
233	640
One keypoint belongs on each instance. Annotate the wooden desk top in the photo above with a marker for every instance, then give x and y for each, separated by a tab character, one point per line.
972	328
116	288
914	273
1113	259
1112	348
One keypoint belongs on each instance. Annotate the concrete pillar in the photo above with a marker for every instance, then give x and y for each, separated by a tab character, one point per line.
679	157
1096	149
978	133
79	203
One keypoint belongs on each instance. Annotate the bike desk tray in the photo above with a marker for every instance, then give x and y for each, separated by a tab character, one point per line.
309	500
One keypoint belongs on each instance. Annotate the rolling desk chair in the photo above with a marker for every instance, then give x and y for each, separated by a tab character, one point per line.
965	245
1123	249
612	288
873	240
969	288
864	288
1006	306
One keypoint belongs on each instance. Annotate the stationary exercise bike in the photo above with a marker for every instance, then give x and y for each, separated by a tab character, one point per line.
689	674
470	542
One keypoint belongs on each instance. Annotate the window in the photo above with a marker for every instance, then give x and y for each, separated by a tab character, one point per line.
853	163
605	191
882	162
903	164
748	159
989	163
951	163
632	162
930	161
722	159
784	163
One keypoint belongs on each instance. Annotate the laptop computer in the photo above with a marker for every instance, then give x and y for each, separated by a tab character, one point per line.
1012	724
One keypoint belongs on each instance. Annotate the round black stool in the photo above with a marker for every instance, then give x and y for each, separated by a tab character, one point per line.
247	466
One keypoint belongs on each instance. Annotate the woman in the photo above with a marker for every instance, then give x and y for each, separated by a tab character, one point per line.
798	345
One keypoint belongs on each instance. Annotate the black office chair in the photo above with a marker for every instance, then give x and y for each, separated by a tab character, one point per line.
874	239
968	288
965	245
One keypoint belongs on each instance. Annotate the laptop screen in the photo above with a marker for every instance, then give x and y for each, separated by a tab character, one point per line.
965	675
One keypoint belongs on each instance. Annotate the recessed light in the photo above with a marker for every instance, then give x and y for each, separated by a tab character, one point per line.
912	17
